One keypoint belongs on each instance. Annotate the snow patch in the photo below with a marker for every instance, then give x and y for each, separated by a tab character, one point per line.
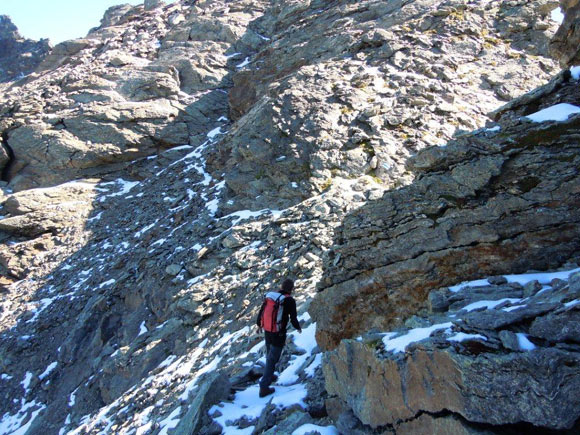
524	343
559	112
557	15
462	336
399	344
48	370
244	63
488	304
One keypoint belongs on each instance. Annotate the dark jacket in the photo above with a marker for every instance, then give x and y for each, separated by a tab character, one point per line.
288	314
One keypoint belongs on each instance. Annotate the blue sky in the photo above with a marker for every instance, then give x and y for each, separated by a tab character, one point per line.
57	20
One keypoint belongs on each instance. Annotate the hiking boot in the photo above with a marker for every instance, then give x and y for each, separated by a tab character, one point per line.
266	391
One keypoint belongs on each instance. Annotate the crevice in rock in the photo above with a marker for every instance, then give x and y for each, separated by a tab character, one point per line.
11	158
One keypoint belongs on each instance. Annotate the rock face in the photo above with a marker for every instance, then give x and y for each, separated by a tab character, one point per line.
564	45
357	87
495	357
223	146
480	206
18	56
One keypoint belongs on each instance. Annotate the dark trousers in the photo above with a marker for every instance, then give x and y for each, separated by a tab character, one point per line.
273	353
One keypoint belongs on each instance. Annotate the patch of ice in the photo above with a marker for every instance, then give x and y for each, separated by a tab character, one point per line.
27	379
124	186
170	422
311	369
492	129
72	398
107	283
524	343
43	304
559	112
213	206
399	344
572	303
244	63
557	15
6	377
47	371
475	283
14	424
142	328
144	230
523	279
462	336
248	214
212	134
575	70
248	403
489	305
290	375
306	340
541	277
515	307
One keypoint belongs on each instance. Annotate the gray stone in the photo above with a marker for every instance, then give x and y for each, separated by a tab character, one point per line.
289	424
173	269
213	389
532	288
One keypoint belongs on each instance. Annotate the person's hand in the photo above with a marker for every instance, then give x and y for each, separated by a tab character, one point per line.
300	331
259	329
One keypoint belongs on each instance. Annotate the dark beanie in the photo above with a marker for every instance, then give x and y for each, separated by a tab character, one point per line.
287	286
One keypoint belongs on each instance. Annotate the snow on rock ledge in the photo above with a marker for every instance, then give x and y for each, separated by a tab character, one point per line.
496	373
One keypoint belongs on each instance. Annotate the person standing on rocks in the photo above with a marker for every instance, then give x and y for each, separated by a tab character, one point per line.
277	309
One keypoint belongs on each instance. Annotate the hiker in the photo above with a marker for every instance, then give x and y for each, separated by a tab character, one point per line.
277	309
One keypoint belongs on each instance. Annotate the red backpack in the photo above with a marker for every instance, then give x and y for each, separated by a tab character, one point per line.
271	319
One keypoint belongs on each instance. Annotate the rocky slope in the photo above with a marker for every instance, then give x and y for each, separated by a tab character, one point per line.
18	56
164	172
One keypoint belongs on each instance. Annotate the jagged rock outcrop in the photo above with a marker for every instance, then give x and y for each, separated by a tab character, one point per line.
503	354
142	82
565	43
18	56
494	201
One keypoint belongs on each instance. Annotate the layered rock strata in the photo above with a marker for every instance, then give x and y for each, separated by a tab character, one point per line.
498	200
503	354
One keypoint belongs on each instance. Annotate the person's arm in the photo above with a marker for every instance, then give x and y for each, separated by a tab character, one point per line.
259	318
291	305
